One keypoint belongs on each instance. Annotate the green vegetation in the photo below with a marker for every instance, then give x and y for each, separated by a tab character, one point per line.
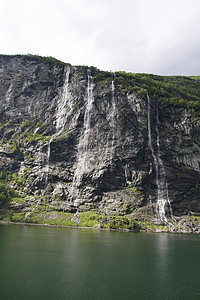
20	180
6	194
123	222
33	138
15	149
12	140
134	190
33	124
16	180
29	134
47	59
11	204
43	214
197	78
176	91
87	219
104	76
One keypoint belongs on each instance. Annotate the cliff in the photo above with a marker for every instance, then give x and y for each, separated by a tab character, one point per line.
77	140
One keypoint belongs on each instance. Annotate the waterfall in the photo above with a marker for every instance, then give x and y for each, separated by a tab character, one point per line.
76	216
64	107
112	121
113	118
63	111
161	182
83	145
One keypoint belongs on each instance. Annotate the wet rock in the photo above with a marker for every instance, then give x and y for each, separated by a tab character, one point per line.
87	142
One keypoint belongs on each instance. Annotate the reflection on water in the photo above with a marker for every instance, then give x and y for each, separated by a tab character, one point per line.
57	263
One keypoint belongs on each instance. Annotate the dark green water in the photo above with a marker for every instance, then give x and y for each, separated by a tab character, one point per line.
56	263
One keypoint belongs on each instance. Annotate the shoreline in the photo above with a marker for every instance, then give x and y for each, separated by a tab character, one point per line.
48	225
98	228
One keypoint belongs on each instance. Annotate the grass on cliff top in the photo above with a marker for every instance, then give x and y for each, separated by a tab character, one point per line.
176	91
47	59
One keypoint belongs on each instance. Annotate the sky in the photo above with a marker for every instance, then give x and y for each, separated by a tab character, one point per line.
139	36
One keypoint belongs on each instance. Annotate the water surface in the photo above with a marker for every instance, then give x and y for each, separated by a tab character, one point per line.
57	263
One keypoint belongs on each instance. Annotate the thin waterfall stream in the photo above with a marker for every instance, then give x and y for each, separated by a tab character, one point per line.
113	119
161	182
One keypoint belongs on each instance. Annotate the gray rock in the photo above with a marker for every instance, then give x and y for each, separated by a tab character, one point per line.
86	142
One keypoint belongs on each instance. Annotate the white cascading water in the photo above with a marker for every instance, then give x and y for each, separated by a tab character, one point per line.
63	110
82	154
112	121
162	188
64	106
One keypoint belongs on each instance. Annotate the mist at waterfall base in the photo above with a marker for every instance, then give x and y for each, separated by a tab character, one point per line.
57	263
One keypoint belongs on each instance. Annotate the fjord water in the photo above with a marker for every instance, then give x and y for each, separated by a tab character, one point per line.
57	263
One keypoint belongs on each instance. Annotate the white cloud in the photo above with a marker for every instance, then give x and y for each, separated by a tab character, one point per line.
151	36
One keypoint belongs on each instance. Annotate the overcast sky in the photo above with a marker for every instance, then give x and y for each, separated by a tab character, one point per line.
150	36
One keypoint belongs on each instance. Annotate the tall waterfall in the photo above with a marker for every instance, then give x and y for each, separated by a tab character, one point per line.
112	118
63	110
161	182
82	153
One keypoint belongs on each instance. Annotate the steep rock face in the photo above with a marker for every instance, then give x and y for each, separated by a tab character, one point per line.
74	141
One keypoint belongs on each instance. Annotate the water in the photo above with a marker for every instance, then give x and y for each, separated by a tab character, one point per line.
64	109
56	263
161	182
65	105
83	145
163	197
112	118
